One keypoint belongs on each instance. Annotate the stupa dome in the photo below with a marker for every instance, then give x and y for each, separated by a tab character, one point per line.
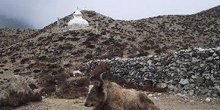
77	21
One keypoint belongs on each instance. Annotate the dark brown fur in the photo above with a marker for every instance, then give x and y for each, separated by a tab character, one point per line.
111	96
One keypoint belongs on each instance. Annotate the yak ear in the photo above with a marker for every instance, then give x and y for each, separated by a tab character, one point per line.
100	68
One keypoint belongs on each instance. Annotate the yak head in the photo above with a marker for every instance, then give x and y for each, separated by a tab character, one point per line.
97	94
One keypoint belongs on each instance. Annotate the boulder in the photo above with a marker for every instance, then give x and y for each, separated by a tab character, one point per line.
15	91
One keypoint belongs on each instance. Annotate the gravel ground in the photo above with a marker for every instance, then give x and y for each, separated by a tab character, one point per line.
164	101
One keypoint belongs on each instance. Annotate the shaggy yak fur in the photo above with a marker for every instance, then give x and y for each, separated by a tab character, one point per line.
106	95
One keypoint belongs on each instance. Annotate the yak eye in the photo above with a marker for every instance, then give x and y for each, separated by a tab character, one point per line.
93	90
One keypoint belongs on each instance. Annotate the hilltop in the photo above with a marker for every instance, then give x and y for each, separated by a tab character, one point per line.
212	13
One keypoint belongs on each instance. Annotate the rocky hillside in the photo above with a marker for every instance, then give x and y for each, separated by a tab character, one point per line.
159	34
12	36
48	56
212	13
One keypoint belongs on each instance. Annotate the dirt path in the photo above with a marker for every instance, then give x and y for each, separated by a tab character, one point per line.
164	101
56	104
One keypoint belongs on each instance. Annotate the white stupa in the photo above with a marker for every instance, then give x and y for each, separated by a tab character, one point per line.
77	22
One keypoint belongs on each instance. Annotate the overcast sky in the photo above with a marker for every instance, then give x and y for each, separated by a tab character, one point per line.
43	12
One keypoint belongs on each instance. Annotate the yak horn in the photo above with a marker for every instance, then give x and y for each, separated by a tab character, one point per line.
102	81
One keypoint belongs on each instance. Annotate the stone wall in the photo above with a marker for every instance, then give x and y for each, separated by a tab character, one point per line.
194	71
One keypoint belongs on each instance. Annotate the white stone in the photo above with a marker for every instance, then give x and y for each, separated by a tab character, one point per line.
150	95
191	101
201	49
191	92
162	85
184	81
208	99
159	94
217	49
77	72
181	95
43	97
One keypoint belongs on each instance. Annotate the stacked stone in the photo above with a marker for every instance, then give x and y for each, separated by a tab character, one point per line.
194	71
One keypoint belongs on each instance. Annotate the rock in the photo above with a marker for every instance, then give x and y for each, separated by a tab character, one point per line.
159	94
172	88
217	87
194	60
217	58
150	95
181	95
24	60
15	91
202	65
191	101
209	58
199	80
208	99
191	86
155	98
215	95
184	81
215	55
191	92
162	85
203	90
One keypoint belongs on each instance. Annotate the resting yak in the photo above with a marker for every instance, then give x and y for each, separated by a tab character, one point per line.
106	95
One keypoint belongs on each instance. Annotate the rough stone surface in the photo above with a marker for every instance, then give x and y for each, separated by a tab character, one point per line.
12	36
15	91
193	71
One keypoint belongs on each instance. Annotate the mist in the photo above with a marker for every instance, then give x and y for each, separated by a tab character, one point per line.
40	13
